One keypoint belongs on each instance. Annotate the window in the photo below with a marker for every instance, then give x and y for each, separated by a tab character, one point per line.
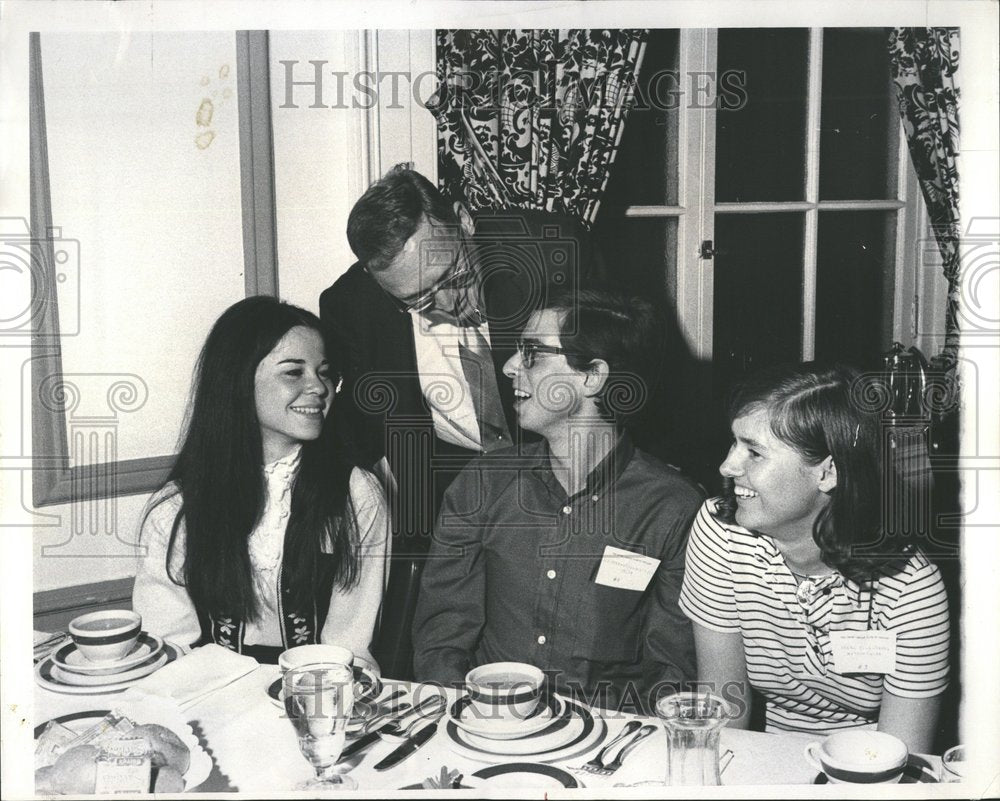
763	190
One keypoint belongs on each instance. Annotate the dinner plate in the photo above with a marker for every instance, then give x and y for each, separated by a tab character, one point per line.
526	775
44	677
148	711
86	680
916	771
463	714
574	731
369	683
467	783
68	657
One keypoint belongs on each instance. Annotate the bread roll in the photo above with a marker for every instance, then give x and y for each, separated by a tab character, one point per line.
75	772
167	747
167	780
45	781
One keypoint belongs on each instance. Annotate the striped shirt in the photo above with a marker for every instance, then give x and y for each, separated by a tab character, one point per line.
736	581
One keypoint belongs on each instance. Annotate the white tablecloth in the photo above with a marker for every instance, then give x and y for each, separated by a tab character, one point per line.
255	749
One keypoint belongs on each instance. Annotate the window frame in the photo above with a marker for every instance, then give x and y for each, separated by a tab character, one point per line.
692	287
53	480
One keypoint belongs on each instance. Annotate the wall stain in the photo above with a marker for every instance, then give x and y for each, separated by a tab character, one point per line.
205	111
204	139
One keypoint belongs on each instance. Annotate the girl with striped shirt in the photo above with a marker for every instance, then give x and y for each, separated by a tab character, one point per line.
791	585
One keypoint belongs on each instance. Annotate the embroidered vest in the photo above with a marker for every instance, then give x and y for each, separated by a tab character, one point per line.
298	627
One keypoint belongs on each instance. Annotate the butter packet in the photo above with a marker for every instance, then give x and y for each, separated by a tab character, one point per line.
124	766
53	740
112	726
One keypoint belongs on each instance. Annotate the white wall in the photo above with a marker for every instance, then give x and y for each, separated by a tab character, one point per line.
160	230
319	162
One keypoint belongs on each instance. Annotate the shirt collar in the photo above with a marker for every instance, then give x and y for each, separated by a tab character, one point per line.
284	467
766	552
600	478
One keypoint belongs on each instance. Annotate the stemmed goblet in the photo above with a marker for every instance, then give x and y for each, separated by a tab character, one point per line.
318	700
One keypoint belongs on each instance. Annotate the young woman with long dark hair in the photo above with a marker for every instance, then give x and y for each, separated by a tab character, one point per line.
792	584
264	537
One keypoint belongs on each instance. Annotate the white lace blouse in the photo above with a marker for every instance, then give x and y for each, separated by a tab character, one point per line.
168	612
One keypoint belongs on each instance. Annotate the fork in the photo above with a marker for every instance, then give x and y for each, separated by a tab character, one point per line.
597	763
426	711
616	763
380	717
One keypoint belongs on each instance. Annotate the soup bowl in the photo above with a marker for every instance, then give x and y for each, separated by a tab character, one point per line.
504	690
106	636
859	757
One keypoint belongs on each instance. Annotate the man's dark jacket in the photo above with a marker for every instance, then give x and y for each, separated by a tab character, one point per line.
522	256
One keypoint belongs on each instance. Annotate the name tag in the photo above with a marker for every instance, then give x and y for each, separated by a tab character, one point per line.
863	651
625	570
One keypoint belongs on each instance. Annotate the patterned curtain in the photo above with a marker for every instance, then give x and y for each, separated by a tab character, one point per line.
924	62
532	119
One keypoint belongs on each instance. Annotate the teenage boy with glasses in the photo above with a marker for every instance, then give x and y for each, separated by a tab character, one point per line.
569	556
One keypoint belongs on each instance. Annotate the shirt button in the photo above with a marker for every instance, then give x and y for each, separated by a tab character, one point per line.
595	498
541	639
567	509
551	574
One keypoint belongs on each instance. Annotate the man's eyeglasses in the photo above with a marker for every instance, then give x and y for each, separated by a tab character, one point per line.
459	276
528	350
454	279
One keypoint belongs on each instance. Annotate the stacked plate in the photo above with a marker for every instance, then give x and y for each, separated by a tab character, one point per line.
67	671
557	729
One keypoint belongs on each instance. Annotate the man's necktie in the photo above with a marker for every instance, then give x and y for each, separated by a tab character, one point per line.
480	375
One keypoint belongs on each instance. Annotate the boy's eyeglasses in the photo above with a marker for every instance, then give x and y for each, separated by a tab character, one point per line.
529	350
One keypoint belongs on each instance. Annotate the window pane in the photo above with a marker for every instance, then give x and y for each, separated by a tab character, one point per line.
859	118
645	171
760	148
640	253
758	291
854	285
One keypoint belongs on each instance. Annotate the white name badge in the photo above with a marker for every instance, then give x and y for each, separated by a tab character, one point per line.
863	651
626	570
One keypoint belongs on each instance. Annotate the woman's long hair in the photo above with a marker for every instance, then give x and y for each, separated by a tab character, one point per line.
219	477
819	411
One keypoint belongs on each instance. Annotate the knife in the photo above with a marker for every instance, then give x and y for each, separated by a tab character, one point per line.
374	736
413	742
363	742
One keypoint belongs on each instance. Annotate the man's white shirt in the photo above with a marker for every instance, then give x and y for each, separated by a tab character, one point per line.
443	381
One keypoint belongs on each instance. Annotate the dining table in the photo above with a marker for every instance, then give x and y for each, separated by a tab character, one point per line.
254	749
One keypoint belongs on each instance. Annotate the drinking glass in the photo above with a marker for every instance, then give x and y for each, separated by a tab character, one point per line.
318	700
693	722
953	764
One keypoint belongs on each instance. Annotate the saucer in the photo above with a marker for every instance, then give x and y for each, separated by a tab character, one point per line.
68	657
44	675
87	680
367	686
463	714
574	732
